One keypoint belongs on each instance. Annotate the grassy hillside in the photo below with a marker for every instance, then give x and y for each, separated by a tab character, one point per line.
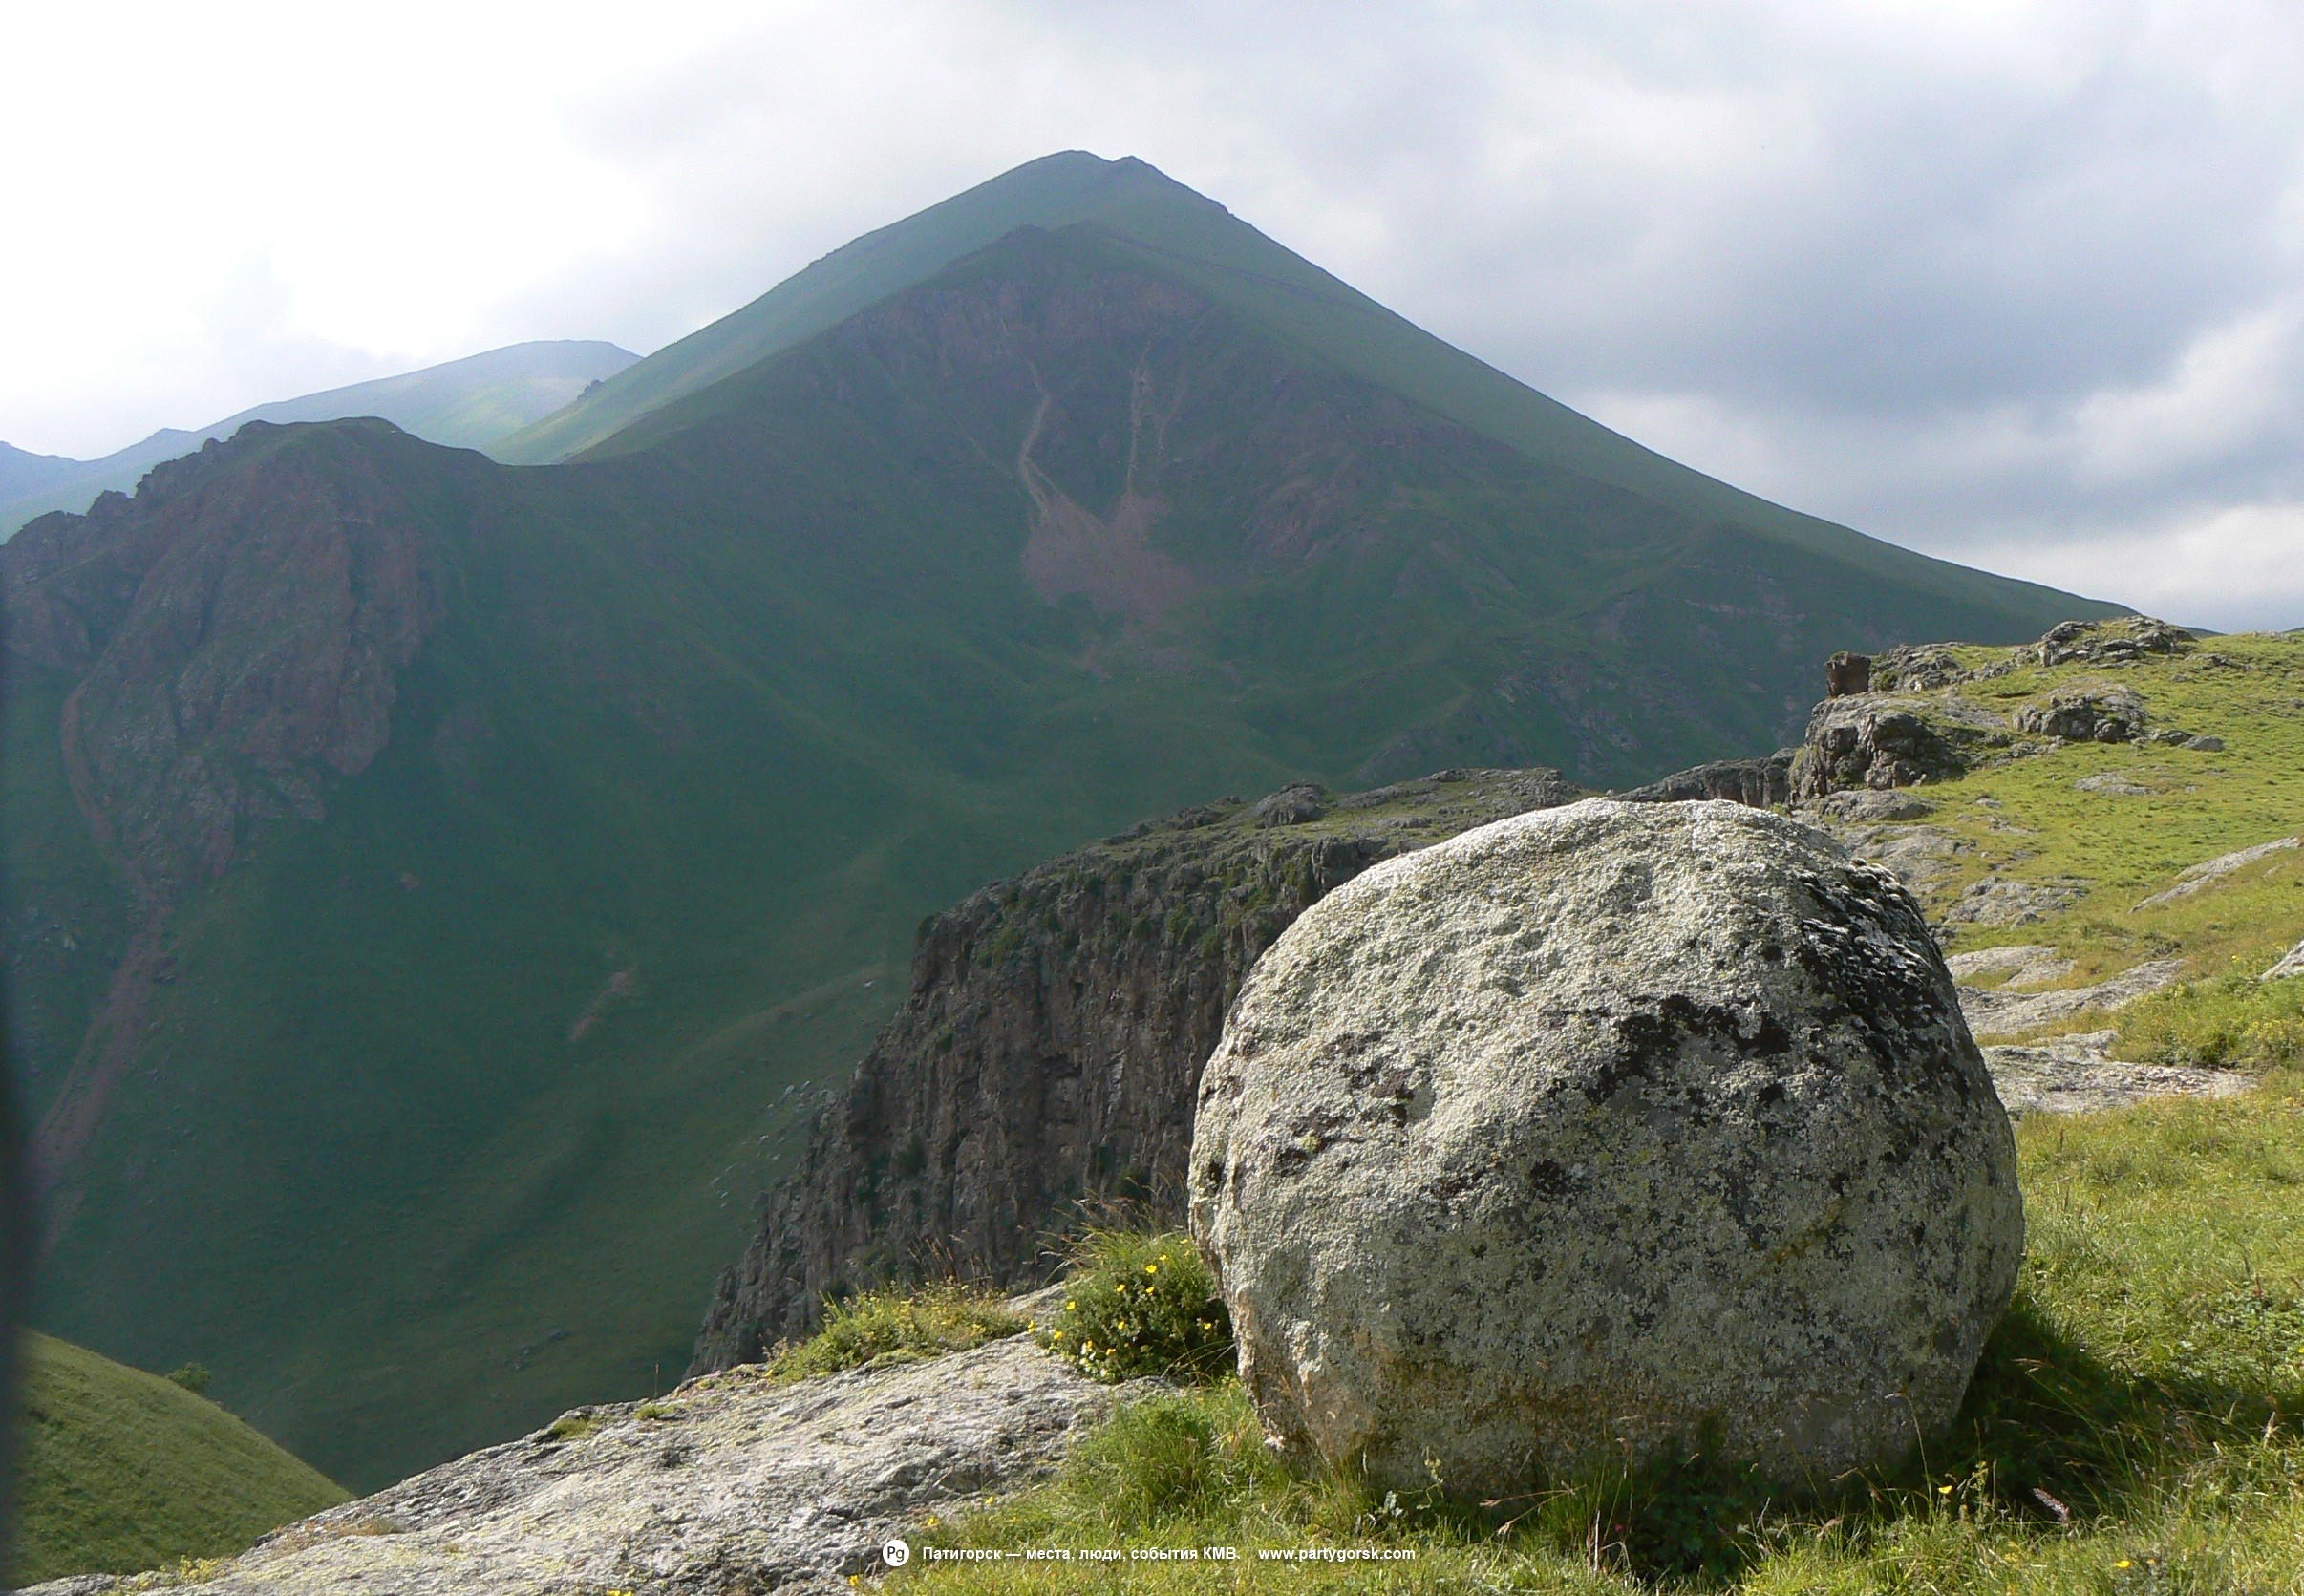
1054	191
2107	826
438	1111
124	1471
2134	1424
472	403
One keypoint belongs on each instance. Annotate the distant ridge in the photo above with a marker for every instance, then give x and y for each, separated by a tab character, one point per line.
22	472
466	404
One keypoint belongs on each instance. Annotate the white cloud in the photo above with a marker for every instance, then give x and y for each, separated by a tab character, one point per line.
2235	568
2234	383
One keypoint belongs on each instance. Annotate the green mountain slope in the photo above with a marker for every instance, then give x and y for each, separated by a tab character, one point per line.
1181	234
429	882
467	404
123	1471
1054	191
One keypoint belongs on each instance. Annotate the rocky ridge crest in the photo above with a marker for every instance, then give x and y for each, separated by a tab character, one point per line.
234	634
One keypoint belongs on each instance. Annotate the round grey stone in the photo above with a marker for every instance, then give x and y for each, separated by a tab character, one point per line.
1598	1133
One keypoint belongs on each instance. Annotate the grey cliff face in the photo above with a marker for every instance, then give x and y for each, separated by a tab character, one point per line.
1051	1043
1613	1127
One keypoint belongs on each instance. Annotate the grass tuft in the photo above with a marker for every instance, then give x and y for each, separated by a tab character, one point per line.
575	1426
1174	1459
897	1326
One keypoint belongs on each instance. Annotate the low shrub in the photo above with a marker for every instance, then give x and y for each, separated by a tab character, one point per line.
898	1326
1138	1304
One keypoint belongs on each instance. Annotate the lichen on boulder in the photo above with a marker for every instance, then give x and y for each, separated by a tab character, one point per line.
1603	1132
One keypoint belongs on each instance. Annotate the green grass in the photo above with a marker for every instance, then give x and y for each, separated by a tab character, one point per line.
2149	1380
2028	819
879	1328
124	1471
2232	1022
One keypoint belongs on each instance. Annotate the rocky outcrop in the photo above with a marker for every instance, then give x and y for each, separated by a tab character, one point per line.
1049	1049
1921	666
2025	964
1846	675
2078	1075
1602	1132
730	1486
2199	877
2120	642
1873	740
2000	1012
236	630
1875	730
1762	783
2084	716
2002	901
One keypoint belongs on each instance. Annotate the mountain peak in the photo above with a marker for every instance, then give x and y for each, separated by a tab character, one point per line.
1129	196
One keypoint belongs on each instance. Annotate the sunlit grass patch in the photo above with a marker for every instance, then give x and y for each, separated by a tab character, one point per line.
895	1326
2233	1022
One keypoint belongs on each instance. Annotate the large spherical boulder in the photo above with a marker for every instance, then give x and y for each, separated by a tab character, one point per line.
1601	1131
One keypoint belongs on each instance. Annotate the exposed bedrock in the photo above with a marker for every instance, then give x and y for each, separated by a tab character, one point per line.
1050	1046
2116	717
1762	783
1875	741
235	635
1598	1132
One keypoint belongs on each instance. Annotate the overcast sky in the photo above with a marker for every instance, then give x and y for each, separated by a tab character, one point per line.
2019	283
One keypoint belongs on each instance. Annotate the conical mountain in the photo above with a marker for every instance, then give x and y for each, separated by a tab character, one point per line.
430	881
1174	231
